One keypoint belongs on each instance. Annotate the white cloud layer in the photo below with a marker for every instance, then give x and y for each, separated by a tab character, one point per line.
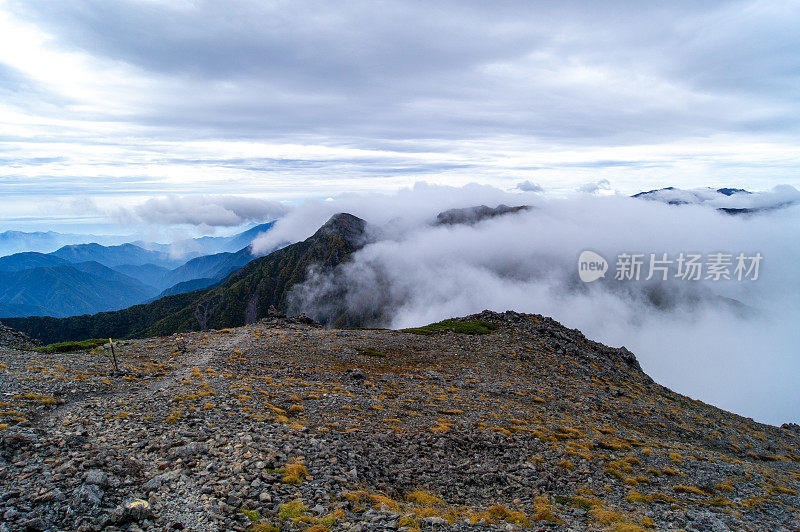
687	335
779	196
528	186
141	99
595	186
205	211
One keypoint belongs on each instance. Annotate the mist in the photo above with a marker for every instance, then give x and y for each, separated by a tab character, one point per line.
205	212
730	343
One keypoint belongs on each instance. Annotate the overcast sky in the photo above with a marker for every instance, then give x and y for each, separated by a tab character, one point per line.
110	104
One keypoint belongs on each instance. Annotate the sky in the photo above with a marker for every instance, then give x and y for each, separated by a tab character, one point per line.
107	107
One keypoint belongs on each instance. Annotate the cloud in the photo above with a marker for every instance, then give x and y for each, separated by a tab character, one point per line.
527	186
395	213
729	343
595	186
205	211
147	98
779	196
559	70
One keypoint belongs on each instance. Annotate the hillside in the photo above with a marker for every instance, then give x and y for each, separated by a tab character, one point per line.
247	294
149	274
70	289
244	297
130	322
282	423
217	266
11	338
212	244
188	286
31	259
112	256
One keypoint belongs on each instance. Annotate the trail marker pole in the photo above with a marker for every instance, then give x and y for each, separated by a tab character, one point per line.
113	355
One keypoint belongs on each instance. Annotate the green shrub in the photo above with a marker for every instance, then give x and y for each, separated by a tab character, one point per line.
462	327
70	347
292	509
368	351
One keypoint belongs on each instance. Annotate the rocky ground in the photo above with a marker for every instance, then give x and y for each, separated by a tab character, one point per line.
285	425
11	338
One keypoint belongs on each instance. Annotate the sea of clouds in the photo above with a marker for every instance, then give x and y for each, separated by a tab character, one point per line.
734	344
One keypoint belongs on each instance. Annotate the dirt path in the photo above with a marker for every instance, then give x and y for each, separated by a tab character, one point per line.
197	356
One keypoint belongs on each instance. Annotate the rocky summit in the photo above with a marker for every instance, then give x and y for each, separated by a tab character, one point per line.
492	421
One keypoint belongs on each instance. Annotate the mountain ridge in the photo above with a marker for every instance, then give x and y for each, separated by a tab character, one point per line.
501	420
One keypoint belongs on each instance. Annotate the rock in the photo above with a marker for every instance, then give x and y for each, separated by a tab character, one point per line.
17	440
132	511
265	497
96	477
153	484
357	374
385	509
34	524
190	449
87	495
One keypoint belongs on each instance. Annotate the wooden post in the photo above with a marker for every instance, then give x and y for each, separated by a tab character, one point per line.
114	356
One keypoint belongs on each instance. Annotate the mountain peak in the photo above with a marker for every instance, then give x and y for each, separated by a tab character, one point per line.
473	215
351	229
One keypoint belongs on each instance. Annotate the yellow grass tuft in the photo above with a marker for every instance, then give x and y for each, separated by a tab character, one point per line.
424	498
295	472
606	517
292	509
688	489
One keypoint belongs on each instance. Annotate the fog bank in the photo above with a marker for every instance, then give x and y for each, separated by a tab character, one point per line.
729	343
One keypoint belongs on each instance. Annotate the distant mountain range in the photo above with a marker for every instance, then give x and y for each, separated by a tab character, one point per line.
188	286
222	244
90	278
12	242
69	289
45	242
728	200
124	254
27	260
243	297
